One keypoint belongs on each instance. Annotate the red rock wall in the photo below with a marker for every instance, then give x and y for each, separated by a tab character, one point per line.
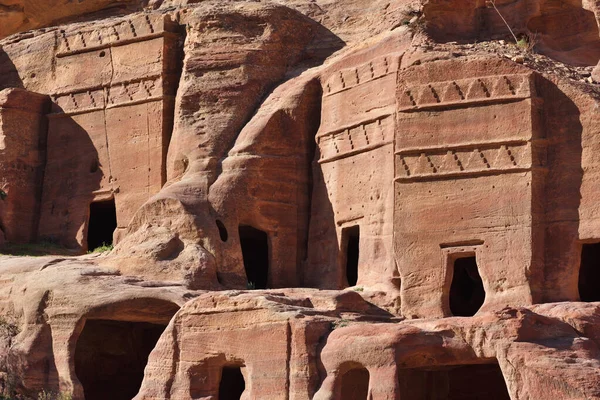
433	153
113	86
467	180
109	131
355	151
23	155
265	184
565	30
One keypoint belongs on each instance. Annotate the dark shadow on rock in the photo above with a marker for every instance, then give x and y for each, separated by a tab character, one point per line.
560	194
9	76
72	174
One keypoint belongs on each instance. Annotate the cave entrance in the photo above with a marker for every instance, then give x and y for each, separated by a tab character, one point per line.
351	240
466	382
355	384
467	293
589	273
110	357
255	251
102	223
232	383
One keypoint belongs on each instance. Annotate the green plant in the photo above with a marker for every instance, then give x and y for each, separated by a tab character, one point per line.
358	289
102	249
37	249
528	42
251	285
43	395
339	323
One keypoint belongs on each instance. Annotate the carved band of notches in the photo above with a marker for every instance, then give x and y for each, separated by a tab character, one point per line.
140	28
351	77
487	89
356	139
17	166
116	95
464	161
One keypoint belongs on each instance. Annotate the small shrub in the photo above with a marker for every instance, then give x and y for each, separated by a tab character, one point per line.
412	20
43	395
250	285
339	324
528	42
102	249
8	328
41	248
358	289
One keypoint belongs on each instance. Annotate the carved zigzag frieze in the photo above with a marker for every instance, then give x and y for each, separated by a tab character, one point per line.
465	161
356	139
136	29
116	95
351	77
464	92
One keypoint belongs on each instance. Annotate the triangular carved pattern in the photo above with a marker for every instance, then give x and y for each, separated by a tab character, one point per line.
482	88
138	27
504	157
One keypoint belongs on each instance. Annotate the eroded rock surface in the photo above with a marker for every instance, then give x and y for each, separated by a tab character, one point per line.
300	199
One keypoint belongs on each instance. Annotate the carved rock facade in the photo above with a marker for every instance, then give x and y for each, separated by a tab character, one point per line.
304	204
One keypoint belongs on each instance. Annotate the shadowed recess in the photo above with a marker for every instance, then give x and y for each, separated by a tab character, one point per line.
102	223
355	384
255	250
222	231
466	292
589	273
465	382
232	383
110	357
351	238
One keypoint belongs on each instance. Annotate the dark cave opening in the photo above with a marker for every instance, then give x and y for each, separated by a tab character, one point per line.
465	382
232	384
255	251
355	384
351	240
589	273
102	223
110	357
467	293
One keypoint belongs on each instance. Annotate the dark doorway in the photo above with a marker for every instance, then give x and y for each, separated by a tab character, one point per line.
232	384
255	250
355	384
351	239
466	292
589	273
110	357
102	223
467	382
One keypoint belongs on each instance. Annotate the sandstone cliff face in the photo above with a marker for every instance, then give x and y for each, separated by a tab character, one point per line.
307	199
